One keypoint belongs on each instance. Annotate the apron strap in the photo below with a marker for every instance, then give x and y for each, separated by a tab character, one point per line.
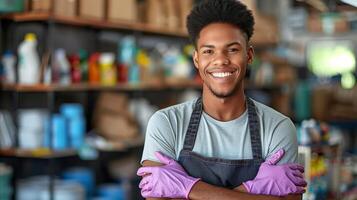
254	128
192	129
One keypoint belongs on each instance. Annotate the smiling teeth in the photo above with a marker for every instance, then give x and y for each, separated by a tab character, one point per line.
221	74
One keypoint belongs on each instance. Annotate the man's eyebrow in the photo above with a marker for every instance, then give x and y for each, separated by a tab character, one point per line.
233	43
207	46
212	46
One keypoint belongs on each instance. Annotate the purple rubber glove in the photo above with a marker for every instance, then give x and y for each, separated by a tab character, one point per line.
169	180
278	180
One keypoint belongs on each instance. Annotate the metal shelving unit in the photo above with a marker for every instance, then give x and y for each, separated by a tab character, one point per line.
51	90
118	25
99	24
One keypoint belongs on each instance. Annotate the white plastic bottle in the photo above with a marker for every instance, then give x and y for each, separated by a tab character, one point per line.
9	60
63	67
29	61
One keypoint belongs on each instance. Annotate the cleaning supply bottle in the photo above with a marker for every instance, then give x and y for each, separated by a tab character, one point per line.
94	72
143	61
8	61
108	75
127	51
76	75
62	69
83	62
29	61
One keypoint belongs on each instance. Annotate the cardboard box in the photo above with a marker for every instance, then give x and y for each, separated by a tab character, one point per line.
172	13
112	118
66	8
184	9
116	127
251	4
266	30
314	23
122	10
142	11
334	24
321	102
168	13
113	103
41	5
92	9
155	13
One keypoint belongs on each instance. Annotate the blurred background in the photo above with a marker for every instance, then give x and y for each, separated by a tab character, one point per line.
81	78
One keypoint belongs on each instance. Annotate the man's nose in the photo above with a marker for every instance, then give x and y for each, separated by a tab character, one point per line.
221	59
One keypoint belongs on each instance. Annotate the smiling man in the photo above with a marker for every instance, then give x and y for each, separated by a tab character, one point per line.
223	145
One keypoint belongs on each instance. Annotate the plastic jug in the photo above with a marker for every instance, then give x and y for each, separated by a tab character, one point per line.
29	61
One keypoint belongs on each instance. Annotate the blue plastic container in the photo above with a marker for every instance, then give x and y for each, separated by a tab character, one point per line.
112	192
76	132
76	123
71	110
82	176
5	180
59	131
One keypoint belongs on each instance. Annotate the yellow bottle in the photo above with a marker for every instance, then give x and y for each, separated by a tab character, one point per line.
108	74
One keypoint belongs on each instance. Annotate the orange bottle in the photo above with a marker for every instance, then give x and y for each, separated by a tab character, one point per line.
94	71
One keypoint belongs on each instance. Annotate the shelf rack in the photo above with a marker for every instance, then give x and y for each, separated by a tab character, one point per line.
37	153
102	24
45	153
98	87
118	25
51	19
142	86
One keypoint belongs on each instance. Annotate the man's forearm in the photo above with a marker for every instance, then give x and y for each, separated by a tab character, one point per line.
160	199
204	191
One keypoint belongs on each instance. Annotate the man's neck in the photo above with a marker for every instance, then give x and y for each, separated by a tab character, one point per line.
224	109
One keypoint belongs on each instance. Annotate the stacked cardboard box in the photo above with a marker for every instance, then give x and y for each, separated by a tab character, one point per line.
92	9
126	10
66	8
266	27
41	5
168	13
112	118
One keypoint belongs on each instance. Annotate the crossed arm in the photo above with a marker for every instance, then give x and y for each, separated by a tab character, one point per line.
206	191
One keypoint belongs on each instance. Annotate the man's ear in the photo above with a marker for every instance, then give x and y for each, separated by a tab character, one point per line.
250	55
195	58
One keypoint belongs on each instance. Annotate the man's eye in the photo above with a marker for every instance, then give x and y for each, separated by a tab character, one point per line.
233	50
208	51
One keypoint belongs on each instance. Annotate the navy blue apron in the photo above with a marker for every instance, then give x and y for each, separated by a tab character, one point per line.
217	171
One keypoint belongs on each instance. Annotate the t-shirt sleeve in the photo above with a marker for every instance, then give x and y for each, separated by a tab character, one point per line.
159	137
284	137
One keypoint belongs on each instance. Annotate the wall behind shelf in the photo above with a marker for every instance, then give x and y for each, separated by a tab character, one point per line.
72	38
60	36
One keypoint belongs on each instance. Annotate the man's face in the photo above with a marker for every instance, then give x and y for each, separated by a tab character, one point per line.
221	57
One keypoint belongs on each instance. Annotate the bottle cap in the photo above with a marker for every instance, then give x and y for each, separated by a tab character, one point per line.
30	37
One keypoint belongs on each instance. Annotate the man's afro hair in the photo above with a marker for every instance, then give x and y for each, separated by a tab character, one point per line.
219	11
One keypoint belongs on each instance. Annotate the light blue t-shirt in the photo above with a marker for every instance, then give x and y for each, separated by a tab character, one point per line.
167	128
